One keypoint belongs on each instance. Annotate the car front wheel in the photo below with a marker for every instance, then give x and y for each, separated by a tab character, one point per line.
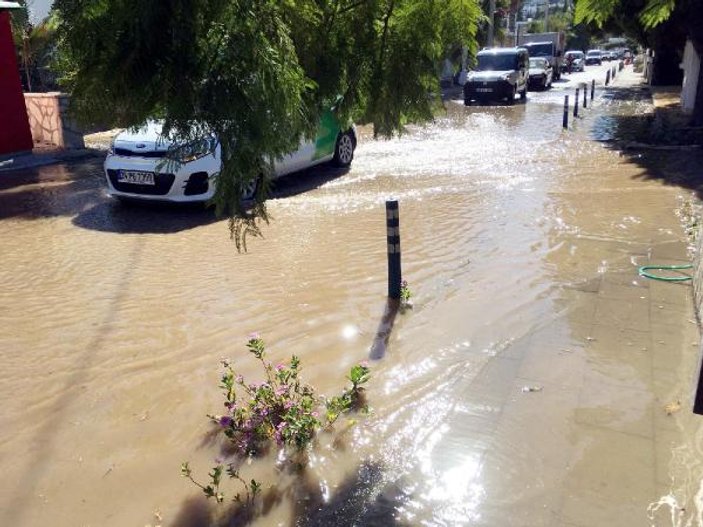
344	150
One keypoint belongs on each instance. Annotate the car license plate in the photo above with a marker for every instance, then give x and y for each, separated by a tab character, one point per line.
135	177
484	90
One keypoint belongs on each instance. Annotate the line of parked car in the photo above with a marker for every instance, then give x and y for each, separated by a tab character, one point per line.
504	73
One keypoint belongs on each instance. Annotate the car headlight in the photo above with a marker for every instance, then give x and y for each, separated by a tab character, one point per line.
111	148
193	150
505	76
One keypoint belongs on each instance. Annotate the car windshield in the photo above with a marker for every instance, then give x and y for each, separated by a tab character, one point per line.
496	62
543	49
574	54
538	63
594	53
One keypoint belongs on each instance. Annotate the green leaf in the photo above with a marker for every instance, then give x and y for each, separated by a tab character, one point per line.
656	12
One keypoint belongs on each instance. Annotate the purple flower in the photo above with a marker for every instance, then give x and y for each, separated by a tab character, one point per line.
315	414
225	421
254	336
280	391
280	367
364	364
288	405
239	379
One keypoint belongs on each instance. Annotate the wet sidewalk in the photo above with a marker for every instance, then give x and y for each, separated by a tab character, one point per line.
600	397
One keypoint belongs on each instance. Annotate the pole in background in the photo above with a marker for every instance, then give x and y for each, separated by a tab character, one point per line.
565	119
576	103
491	21
607	77
585	94
393	241
546	16
593	88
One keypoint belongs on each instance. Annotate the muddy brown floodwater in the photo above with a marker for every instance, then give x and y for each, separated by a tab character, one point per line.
526	387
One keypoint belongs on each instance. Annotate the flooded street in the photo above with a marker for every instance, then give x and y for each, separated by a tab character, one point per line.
527	386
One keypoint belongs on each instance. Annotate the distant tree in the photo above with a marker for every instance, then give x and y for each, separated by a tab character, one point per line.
561	21
536	26
660	24
257	73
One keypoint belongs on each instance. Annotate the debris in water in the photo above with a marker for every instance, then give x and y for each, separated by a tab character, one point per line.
109	470
590	339
672	407
528	389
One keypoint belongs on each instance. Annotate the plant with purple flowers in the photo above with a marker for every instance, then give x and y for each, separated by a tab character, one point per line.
281	409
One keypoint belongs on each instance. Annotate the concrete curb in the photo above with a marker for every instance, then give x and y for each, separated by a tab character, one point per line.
31	161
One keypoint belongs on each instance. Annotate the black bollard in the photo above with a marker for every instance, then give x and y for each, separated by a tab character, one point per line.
607	77
576	104
585	94
593	88
393	243
565	119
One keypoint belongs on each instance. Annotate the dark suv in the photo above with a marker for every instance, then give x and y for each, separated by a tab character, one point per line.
501	73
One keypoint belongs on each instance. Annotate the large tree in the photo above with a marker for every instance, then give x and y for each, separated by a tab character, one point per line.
257	74
660	24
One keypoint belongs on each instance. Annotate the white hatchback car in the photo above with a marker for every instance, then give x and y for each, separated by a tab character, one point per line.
137	166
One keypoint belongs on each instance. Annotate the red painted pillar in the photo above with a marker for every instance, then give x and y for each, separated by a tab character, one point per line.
15	135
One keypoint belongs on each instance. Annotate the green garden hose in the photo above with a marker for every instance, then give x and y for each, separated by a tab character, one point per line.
643	272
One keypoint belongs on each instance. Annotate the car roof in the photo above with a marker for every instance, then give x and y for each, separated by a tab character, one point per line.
500	51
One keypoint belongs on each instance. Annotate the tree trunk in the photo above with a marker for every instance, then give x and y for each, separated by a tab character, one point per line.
697	119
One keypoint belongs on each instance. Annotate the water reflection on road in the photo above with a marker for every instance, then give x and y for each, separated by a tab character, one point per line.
520	244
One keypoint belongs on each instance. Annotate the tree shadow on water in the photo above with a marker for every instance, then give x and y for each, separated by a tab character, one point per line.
671	163
364	498
659	142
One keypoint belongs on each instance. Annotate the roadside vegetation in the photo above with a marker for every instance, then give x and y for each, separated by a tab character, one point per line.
281	410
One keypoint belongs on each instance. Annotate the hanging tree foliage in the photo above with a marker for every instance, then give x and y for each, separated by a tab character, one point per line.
650	13
257	74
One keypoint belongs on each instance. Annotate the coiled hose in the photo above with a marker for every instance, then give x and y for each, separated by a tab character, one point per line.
643	272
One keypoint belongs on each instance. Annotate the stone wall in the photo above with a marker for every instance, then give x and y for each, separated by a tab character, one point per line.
49	122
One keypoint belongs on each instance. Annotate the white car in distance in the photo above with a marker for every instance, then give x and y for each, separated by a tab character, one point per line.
138	167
